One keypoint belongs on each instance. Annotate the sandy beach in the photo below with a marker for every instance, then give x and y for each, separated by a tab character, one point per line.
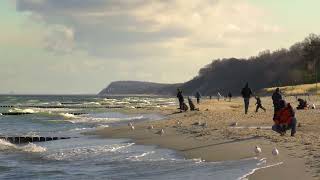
299	156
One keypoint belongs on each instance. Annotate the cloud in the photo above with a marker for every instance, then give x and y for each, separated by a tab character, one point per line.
135	29
59	39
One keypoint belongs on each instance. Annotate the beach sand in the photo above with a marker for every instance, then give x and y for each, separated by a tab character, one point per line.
299	155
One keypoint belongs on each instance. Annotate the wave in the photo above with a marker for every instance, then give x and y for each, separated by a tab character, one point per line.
29	148
28	110
103	120
245	177
138	157
85	152
92	103
68	115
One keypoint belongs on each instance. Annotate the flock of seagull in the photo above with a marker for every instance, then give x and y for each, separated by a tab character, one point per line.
257	149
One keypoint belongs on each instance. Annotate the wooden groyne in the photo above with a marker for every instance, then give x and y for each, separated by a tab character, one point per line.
14	113
25	113
28	139
61	107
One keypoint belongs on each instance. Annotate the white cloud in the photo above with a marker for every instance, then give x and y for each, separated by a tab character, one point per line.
122	29
59	39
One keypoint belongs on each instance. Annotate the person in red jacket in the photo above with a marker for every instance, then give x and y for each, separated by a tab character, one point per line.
285	119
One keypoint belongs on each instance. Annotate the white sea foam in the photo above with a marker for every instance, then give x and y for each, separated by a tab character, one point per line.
102	120
5	145
92	103
23	110
102	126
67	115
138	157
85	152
29	148
245	177
33	148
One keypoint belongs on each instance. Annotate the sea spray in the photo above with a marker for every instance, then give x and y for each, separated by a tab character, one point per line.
29	148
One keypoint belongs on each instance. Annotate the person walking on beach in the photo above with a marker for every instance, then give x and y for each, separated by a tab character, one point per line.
259	104
246	94
229	96
276	97
218	96
180	98
284	119
198	96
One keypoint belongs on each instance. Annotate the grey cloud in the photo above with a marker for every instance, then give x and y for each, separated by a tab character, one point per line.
97	34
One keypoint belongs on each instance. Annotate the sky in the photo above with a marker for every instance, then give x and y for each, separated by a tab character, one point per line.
80	46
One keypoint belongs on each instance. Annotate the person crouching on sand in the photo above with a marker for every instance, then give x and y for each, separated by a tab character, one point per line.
259	104
285	119
192	106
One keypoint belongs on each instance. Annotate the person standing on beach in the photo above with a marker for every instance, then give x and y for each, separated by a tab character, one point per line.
198	96
276	98
259	104
180	98
246	94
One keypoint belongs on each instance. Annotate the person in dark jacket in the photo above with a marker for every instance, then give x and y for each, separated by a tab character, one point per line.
198	96
246	94
302	104
180	98
276	98
229	96
192	106
259	104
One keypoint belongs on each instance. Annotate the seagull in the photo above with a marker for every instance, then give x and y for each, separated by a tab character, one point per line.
161	132
205	124
257	150
275	151
234	124
197	123
179	123
150	127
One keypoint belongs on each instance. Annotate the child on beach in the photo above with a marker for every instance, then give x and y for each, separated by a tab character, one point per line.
259	104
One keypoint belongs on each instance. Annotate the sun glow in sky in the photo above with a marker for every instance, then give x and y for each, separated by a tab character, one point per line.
73	46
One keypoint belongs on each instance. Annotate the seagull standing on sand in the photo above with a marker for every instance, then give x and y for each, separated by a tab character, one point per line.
179	123
150	127
275	151
161	132
234	124
257	150
205	124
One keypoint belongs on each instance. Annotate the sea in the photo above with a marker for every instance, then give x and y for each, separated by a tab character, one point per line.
93	157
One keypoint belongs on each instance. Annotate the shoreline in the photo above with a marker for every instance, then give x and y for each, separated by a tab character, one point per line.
219	142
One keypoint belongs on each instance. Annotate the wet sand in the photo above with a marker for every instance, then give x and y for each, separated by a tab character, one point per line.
219	141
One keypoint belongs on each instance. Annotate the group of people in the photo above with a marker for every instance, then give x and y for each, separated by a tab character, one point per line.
284	116
183	106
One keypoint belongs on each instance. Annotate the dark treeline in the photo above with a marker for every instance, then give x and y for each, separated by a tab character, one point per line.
282	67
